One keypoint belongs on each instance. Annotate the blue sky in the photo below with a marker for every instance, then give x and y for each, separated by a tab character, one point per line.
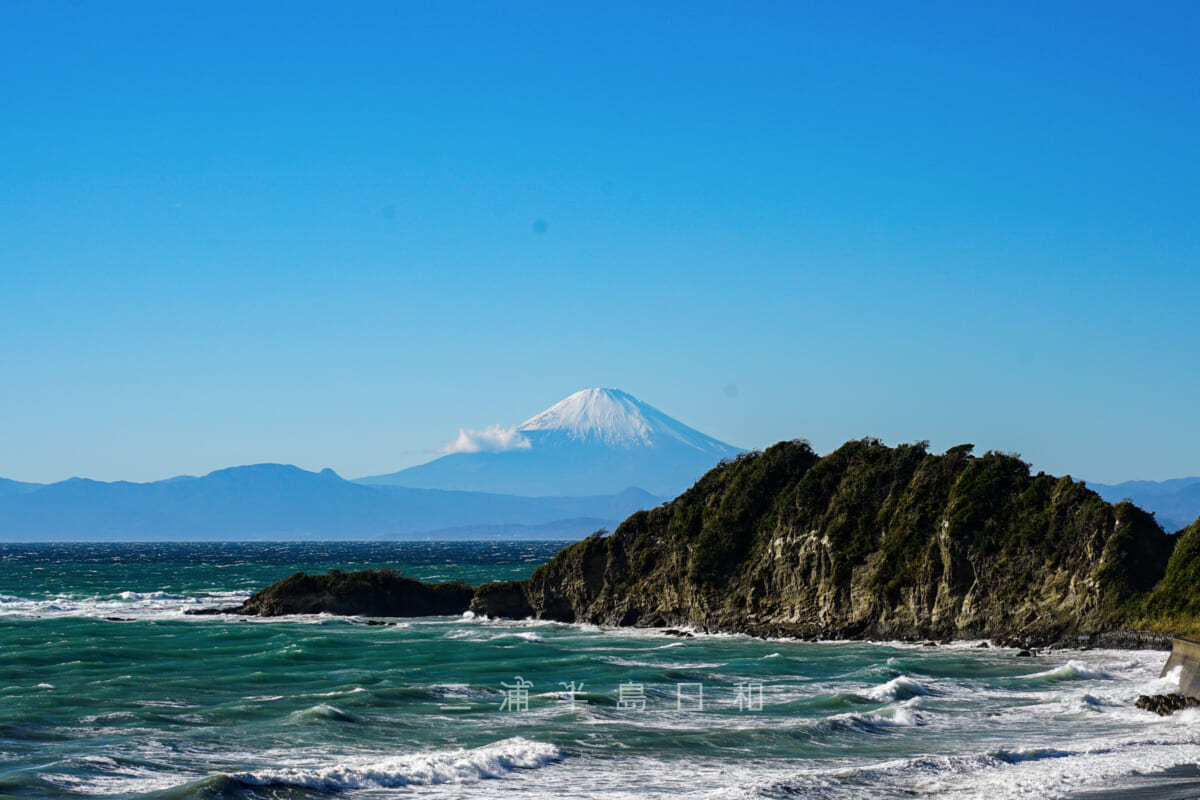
234	233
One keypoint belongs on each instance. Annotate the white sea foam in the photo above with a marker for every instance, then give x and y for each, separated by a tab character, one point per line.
1188	717
525	636
152	596
634	662
417	769
1165	684
339	692
126	604
106	776
460	691
466	634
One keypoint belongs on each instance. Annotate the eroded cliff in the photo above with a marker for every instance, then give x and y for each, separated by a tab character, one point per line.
868	541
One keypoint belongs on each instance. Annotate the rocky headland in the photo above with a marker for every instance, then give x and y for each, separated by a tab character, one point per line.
868	542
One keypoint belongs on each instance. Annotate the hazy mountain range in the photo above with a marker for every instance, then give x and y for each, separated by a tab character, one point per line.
276	501
585	463
1175	503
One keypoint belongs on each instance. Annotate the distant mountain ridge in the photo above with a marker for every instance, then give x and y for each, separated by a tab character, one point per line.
8	487
596	441
277	501
1175	502
587	462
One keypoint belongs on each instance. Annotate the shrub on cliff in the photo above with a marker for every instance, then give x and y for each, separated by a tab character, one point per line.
1174	605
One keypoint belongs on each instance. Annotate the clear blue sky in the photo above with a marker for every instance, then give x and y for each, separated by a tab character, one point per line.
332	234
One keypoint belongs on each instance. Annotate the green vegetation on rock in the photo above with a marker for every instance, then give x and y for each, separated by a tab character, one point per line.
870	541
1174	605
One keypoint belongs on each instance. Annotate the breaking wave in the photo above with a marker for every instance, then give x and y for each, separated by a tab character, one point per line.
418	769
898	688
151	596
1071	671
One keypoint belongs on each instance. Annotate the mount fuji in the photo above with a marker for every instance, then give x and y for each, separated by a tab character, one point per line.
597	441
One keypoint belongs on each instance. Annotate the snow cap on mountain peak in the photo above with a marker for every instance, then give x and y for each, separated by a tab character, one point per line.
610	415
596	441
616	418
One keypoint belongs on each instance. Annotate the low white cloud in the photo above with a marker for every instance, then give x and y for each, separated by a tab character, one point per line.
492	439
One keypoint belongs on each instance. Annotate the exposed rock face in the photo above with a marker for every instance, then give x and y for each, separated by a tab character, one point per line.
867	542
1130	640
372	593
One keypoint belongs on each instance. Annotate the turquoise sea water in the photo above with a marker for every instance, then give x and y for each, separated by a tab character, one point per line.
107	689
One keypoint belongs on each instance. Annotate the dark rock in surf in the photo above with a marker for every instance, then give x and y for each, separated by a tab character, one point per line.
1166	704
367	593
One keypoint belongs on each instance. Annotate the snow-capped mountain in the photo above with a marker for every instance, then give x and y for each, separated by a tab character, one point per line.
597	441
617	419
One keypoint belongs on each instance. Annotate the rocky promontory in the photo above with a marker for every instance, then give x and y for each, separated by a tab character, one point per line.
869	541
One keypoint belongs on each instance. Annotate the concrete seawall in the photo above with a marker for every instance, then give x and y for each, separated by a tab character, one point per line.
1186	654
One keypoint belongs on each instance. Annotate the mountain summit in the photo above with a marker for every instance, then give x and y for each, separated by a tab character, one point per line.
596	441
616	419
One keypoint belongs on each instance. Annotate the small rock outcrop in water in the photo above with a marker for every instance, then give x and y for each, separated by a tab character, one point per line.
369	593
1166	704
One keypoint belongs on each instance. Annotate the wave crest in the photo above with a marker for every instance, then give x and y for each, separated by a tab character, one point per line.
323	711
901	687
1072	671
420	769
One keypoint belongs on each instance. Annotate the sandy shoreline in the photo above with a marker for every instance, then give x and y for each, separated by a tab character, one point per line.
1177	783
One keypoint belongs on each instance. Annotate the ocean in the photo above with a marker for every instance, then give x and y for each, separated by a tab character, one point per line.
109	690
